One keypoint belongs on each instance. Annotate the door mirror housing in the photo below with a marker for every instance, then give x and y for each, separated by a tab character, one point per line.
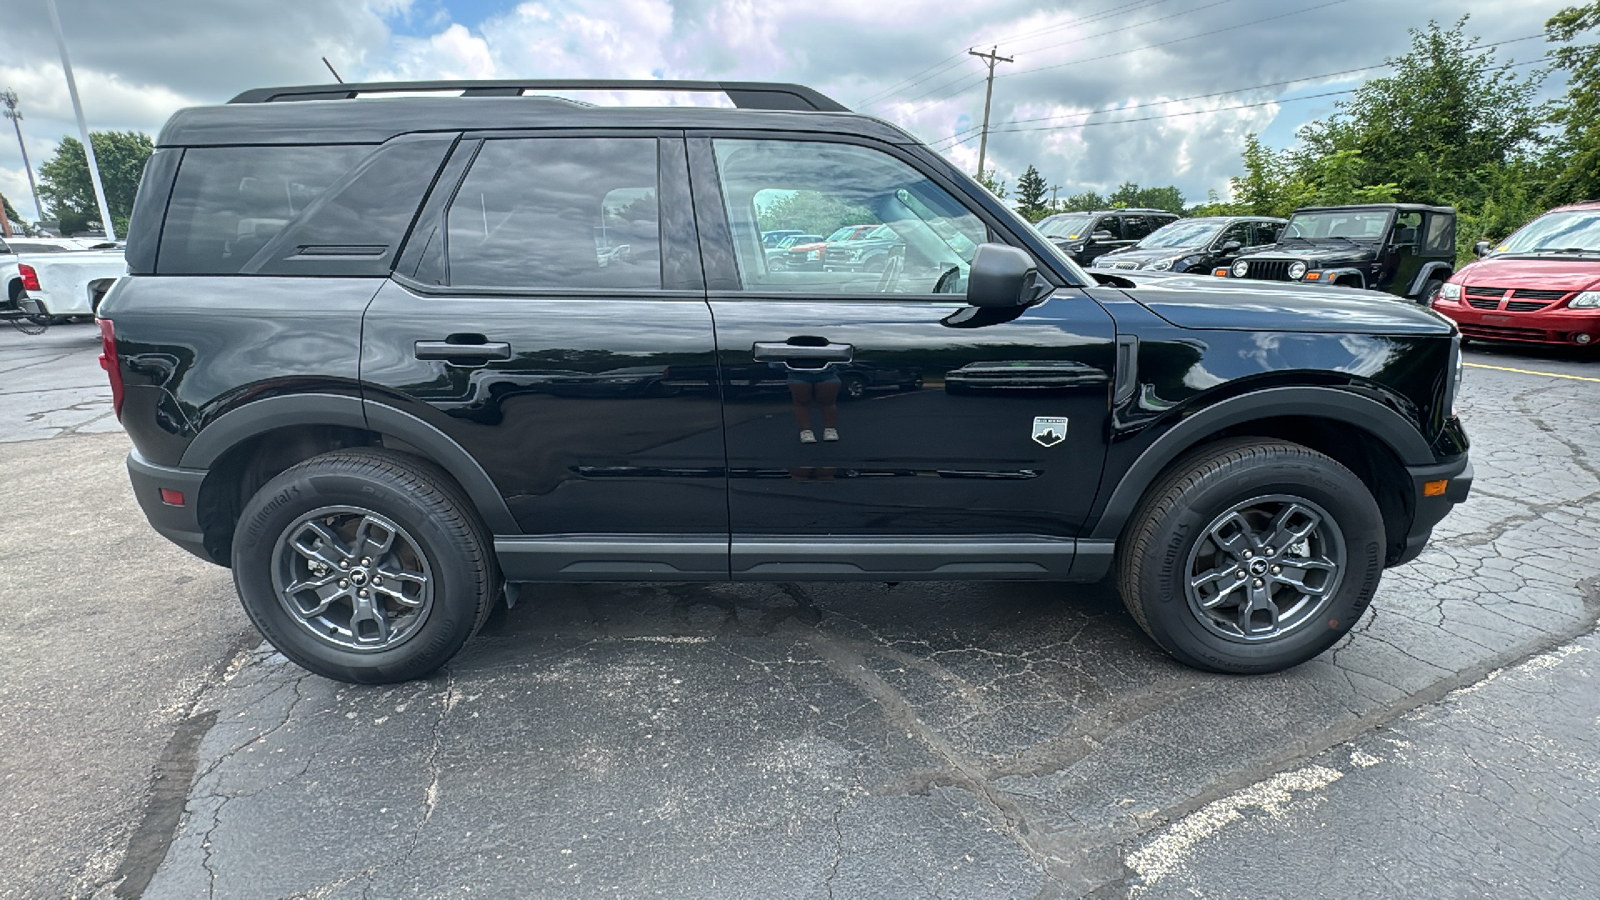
1001	276
1231	247
1101	237
1481	248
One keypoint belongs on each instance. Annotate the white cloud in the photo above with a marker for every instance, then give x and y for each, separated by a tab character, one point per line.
137	62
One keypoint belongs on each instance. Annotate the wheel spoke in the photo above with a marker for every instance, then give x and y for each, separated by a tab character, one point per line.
323	547
1258	600
1227	580
1307	567
1233	536
1293	524
324	589
368	624
369	547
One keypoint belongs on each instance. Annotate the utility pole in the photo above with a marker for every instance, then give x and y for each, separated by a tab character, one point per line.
988	94
1053	189
83	127
9	99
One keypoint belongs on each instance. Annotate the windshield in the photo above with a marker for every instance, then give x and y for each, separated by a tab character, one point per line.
1353	225
1182	234
1069	227
1570	232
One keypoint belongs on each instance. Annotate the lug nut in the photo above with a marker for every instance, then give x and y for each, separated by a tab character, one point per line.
1248	554
1277	569
343	583
361	593
365	561
344	563
1269	551
1256	583
377	579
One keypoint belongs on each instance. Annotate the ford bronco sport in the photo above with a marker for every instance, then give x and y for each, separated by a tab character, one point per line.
396	362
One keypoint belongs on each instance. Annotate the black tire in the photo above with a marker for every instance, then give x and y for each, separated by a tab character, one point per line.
1430	291
1174	526
31	316
438	531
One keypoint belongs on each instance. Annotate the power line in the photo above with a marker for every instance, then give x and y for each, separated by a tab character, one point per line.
1254	87
1079	62
1194	112
956	58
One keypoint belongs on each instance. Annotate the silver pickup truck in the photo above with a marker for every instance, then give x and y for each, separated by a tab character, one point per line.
66	275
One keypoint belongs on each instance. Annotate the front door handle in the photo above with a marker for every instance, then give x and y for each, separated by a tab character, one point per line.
783	351
450	351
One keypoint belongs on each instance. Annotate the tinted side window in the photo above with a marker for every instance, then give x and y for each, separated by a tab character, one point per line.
557	213
1265	233
228	202
1238	231
1134	228
356	227
887	227
1111	224
1441	234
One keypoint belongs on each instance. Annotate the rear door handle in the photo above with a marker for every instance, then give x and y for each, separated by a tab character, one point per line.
481	352
783	351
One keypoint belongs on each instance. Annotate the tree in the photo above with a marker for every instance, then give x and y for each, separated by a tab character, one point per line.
1085	202
67	192
996	186
9	211
812	212
1030	194
1575	154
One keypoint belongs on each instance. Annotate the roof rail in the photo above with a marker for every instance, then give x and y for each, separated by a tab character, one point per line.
744	94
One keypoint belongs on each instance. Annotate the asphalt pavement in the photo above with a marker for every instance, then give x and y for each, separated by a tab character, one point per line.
800	740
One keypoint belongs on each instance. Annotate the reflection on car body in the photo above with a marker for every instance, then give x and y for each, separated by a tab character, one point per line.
1030	375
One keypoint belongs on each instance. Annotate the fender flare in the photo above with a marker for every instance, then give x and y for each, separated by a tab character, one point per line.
1388	426
1329	276
1427	271
264	415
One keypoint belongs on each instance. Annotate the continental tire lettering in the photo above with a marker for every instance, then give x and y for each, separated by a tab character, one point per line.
283	497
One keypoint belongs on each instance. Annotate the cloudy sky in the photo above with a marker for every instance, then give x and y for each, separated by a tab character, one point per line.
1082	67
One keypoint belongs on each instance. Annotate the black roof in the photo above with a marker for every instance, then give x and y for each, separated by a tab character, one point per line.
334	113
1408	207
1102	212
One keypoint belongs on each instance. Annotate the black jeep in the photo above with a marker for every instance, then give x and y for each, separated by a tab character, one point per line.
388	362
1405	249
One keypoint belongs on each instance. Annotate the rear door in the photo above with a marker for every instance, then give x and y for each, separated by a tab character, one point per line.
549	316
875	422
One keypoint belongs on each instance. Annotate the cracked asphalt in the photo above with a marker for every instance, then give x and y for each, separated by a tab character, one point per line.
802	740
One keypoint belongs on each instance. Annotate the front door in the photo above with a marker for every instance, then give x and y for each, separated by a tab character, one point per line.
549	316
875	422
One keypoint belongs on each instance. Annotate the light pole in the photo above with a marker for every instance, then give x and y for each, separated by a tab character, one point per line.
83	127
9	99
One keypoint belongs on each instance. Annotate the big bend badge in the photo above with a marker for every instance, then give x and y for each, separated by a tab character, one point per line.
1049	431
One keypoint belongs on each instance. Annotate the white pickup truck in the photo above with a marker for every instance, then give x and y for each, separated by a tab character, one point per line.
67	276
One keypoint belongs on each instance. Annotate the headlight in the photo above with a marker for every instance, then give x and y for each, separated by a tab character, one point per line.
1297	271
1162	265
1457	369
1450	292
1240	269
1586	300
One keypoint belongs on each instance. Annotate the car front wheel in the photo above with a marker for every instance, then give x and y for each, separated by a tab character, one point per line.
1252	556
364	566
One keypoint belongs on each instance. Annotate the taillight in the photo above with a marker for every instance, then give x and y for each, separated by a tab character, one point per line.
109	362
30	278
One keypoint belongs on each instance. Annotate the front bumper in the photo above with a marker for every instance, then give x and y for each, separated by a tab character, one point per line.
178	524
1546	326
1430	510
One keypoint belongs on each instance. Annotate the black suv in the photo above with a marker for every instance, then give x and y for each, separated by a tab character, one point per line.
1195	245
395	361
1405	249
1086	236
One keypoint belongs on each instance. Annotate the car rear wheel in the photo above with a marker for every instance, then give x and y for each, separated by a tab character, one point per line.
1252	556
364	566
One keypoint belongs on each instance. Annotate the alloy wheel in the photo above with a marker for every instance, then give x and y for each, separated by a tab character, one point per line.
353	578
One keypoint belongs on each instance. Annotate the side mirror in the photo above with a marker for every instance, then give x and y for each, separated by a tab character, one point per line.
1001	276
1100	237
1481	248
1232	247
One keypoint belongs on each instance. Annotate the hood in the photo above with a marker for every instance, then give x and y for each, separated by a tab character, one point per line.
1317	255
1544	273
1207	302
1145	255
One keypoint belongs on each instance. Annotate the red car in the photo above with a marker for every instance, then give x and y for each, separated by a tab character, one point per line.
1541	285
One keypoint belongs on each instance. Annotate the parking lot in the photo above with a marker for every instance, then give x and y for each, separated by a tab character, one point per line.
800	740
